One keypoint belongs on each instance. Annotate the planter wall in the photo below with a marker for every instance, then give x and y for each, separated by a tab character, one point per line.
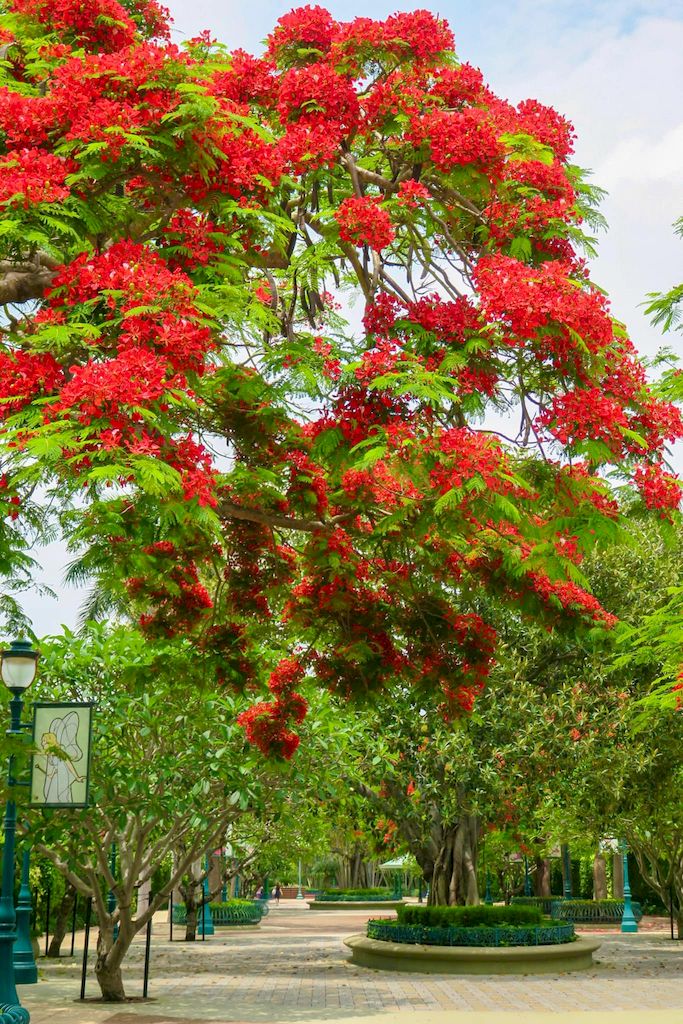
394	956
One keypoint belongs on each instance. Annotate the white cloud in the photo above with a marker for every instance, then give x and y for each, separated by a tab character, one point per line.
637	160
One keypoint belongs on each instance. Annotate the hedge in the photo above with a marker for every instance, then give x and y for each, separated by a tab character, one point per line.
544	903
377	891
596	911
547	933
468	917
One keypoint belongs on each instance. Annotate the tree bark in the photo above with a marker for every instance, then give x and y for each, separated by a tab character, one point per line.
599	877
453	877
62	921
542	877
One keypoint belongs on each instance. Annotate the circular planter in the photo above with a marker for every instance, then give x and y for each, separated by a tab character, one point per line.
226	916
417	959
355	904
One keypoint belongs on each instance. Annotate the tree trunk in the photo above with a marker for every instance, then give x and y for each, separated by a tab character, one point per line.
599	877
454	876
110	955
617	877
110	981
542	877
62	922
191	916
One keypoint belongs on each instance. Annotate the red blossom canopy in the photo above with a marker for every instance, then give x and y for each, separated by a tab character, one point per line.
230	453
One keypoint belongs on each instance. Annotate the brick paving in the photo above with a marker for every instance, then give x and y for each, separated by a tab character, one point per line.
293	969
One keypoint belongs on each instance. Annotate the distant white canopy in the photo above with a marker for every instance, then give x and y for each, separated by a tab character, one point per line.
397	864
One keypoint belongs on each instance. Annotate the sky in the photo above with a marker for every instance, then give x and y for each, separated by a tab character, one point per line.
613	67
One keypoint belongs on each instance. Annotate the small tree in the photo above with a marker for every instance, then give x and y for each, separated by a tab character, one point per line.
170	774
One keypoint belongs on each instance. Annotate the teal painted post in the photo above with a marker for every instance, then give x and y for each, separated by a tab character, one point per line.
527	878
266	890
237	886
628	921
25	970
206	922
111	898
299	894
567	881
488	898
8	919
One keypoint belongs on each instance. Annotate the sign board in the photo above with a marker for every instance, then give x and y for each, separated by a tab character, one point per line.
60	766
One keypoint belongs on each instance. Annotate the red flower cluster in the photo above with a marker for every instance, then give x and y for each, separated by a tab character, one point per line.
266	724
172	590
101	24
25	376
526	300
362	221
660	490
455	139
30	176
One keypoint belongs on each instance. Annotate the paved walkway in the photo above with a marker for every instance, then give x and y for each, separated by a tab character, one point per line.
293	969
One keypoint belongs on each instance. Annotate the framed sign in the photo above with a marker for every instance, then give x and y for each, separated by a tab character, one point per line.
60	766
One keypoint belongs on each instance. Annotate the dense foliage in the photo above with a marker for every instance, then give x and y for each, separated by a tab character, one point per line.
187	394
465	917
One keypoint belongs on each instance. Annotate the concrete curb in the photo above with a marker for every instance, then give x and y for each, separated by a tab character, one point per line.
355	905
418	959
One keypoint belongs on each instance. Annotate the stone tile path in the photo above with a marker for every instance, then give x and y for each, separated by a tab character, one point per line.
293	969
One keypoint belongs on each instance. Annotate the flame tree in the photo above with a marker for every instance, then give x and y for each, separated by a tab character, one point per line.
237	453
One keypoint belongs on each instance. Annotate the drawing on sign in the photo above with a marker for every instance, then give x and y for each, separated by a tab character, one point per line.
62	752
61	756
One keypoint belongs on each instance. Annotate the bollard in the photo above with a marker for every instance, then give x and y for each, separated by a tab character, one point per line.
73	923
47	918
148	944
84	969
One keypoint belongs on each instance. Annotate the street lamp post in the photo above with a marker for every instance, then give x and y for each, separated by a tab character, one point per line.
299	894
25	970
527	877
111	898
206	922
566	860
628	921
18	669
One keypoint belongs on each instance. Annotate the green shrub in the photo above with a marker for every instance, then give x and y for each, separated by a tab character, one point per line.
231	903
357	892
468	917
